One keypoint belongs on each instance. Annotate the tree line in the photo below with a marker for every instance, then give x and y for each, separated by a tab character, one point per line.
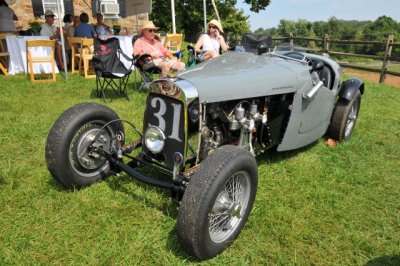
190	21
337	29
189	16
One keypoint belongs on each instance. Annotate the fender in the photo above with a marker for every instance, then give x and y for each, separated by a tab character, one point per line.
350	87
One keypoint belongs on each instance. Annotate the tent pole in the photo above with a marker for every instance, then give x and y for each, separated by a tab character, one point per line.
173	16
205	16
216	10
62	39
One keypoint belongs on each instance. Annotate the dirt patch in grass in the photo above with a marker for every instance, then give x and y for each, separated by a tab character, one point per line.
365	75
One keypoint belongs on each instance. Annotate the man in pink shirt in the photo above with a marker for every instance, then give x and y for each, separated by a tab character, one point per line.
161	57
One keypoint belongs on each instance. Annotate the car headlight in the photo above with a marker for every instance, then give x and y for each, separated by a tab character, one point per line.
154	139
194	111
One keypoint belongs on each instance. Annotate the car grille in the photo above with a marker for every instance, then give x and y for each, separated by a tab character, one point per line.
168	114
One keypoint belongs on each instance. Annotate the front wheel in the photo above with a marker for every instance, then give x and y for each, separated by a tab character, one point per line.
217	202
344	118
77	140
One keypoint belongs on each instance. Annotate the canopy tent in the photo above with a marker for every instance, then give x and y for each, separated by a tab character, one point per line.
127	8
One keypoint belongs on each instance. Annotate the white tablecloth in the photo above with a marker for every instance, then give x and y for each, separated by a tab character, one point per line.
16	46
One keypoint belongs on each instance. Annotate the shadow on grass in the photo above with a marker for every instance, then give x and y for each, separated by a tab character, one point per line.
121	182
274	156
393	260
115	94
175	248
58	186
2	181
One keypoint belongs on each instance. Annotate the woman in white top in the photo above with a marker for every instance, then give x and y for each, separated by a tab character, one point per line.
209	44
7	18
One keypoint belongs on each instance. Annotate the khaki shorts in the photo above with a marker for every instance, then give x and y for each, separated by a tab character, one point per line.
157	61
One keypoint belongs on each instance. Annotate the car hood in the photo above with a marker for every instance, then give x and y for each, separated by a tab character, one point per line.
237	75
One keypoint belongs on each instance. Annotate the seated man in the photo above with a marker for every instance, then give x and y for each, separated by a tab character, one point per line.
161	57
50	30
209	44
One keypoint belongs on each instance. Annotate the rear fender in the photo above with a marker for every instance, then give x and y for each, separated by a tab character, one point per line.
350	87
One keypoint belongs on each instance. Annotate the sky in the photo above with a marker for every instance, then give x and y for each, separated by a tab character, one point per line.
320	10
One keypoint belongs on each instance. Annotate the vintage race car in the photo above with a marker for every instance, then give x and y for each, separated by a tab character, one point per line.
204	129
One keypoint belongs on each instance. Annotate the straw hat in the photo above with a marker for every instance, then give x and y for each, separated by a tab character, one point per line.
216	23
148	25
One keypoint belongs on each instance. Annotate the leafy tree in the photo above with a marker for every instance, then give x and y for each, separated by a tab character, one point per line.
286	27
189	16
257	5
270	31
379	30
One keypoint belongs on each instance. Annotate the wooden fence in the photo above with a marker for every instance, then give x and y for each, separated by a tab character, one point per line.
326	42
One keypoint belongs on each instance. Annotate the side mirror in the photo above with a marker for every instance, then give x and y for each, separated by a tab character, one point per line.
318	65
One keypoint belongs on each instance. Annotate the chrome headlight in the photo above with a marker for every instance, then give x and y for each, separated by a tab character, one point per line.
154	138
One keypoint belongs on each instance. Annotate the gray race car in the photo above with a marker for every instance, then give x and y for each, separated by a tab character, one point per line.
204	129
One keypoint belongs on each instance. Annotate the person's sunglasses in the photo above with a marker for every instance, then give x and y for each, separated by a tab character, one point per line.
212	27
152	30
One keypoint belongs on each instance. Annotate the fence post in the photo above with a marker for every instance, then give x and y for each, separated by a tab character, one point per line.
326	44
388	54
291	41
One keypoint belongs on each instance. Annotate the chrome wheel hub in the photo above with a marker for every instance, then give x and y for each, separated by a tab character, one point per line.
86	152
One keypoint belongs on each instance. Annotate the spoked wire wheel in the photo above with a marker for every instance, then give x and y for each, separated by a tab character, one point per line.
229	207
217	202
344	118
351	119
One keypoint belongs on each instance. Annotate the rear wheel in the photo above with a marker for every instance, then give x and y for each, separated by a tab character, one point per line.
344	118
217	202
75	144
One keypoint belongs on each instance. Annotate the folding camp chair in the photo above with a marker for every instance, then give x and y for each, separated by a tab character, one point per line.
111	74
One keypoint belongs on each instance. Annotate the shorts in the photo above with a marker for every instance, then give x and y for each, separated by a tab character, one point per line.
155	62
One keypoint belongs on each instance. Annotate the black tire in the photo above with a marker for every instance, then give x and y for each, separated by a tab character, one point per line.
344	118
73	134
206	227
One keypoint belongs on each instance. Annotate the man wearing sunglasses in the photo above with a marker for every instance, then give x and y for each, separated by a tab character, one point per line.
209	45
159	56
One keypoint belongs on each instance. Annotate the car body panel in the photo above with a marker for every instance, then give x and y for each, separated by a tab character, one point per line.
244	75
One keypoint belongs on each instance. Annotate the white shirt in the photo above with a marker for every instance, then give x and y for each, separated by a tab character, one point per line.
210	43
48	30
7	19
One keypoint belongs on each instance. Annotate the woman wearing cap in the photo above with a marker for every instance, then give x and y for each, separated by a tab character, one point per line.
209	44
160	56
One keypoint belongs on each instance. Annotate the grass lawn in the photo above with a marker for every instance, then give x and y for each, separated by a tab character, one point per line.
315	206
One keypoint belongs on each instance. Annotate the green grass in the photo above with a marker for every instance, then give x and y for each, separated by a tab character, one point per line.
314	206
